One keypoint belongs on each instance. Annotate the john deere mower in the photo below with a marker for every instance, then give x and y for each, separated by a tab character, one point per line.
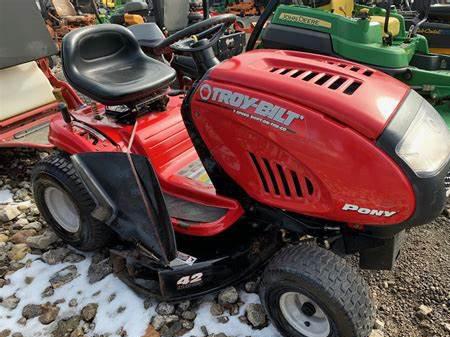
372	36
122	12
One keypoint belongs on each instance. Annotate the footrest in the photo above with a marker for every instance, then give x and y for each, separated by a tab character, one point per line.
193	212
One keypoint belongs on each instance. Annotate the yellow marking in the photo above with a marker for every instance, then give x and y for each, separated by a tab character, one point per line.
440	51
133	19
429	31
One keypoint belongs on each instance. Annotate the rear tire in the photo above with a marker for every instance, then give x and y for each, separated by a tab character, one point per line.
310	292
66	205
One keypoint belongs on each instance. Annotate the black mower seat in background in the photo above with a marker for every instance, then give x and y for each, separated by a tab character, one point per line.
147	34
106	63
440	12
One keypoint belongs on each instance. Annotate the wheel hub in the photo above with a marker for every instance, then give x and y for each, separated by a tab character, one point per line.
308	309
304	315
62	209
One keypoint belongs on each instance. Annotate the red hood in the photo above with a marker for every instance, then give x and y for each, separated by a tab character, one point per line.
359	97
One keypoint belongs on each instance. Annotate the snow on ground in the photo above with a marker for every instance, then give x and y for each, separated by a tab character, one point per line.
6	197
134	319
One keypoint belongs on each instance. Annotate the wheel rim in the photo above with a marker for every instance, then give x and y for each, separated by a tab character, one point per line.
62	209
304	315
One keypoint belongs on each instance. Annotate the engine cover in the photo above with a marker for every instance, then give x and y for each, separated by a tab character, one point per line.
297	131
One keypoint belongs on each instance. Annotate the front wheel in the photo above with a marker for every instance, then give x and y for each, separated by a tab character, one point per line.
310	292
66	205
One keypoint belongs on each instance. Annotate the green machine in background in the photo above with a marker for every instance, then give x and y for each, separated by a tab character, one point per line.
437	26
122	12
369	35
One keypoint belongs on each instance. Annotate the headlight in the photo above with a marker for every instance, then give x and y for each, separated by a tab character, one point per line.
425	147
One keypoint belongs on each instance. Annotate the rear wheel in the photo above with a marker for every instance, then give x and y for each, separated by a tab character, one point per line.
310	292
66	205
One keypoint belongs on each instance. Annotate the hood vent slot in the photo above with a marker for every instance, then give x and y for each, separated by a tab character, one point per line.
298	187
260	173
272	176
352	88
323	78
309	186
310	76
336	84
365	72
287	190
280	181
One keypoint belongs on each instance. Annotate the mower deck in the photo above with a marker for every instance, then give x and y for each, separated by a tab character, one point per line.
219	263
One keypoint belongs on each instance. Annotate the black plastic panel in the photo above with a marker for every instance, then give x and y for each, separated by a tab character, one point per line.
140	212
292	38
24	36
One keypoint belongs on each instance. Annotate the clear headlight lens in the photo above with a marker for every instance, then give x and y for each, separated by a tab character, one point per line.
425	147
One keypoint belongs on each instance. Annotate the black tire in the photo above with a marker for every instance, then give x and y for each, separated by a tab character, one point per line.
325	278
57	171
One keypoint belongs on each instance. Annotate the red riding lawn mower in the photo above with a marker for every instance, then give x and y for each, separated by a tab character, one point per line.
272	159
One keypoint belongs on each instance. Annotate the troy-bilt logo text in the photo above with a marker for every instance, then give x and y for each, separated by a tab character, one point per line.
362	210
243	102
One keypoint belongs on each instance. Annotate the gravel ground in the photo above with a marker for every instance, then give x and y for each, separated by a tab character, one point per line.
413	300
420	279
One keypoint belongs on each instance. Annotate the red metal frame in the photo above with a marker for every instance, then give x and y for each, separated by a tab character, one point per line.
163	139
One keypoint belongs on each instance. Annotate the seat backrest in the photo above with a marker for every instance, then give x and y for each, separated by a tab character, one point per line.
95	47
147	34
341	7
23	88
393	24
136	7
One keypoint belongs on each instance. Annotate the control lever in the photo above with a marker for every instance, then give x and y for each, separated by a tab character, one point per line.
65	113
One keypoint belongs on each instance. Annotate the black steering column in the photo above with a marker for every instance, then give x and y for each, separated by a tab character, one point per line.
198	40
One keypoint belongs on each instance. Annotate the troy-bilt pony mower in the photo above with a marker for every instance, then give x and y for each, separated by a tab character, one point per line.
200	189
369	35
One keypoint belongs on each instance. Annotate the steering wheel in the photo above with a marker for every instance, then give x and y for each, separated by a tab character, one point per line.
184	40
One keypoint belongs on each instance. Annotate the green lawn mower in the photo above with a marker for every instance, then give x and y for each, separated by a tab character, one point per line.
369	35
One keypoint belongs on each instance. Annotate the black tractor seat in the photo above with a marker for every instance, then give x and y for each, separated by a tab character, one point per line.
440	12
148	35
106	63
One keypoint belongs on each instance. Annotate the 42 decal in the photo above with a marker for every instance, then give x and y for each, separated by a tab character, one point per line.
190	280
